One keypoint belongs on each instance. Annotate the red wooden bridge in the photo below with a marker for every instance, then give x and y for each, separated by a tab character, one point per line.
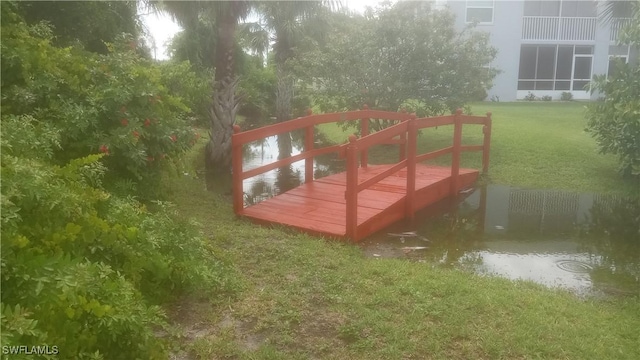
366	198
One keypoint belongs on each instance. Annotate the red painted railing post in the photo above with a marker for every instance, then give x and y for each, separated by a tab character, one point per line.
455	156
308	146
403	141
486	145
236	169
364	131
351	193
412	147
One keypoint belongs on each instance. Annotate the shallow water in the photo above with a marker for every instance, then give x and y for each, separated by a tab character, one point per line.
277	181
587	243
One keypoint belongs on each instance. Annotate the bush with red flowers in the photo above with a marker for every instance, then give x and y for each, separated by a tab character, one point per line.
117	104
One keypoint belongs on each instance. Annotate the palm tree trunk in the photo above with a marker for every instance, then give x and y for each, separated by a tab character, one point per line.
284	97
222	116
224	103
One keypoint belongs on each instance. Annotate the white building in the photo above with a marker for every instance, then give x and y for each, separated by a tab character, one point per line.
545	47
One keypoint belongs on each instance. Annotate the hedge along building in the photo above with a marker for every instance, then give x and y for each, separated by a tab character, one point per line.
546	48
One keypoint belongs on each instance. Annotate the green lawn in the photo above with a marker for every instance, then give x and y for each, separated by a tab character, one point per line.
534	145
307	298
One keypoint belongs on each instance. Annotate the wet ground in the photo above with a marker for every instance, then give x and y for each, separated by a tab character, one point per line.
587	243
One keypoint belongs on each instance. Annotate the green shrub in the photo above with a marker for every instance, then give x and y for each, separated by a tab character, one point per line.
83	269
119	104
566	96
614	121
530	97
546	98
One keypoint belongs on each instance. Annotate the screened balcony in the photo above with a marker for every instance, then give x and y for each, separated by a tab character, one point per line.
542	28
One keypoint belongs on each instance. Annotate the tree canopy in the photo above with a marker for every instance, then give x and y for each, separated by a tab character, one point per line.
614	121
90	23
396	53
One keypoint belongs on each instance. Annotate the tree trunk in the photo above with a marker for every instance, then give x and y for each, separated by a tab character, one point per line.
222	116
224	102
284	96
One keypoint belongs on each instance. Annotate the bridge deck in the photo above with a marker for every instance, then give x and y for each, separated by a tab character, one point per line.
319	207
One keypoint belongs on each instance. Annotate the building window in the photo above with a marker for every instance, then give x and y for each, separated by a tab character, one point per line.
614	60
480	11
541	8
555	67
571	8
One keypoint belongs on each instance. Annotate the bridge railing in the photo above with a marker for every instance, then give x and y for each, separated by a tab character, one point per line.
404	133
407	131
308	153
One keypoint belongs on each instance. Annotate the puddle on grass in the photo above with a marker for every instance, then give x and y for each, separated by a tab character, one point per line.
587	243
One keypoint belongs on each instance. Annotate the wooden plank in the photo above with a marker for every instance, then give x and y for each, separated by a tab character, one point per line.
434	154
392	214
374	179
311	224
486	130
434	121
378	200
312	120
469	119
308	149
377	137
471	148
319	208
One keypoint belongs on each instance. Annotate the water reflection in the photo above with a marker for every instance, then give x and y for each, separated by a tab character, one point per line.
584	242
277	181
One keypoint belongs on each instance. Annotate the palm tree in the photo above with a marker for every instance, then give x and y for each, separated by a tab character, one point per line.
290	22
224	17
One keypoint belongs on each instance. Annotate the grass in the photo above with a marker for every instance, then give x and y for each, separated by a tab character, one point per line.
533	145
303	297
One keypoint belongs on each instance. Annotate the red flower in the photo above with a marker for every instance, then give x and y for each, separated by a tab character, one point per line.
173	138
124	122
149	158
136	134
104	149
147	122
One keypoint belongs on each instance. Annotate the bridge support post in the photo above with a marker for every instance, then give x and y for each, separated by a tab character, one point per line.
455	156
351	194
236	169
412	146
402	150
364	131
308	146
486	145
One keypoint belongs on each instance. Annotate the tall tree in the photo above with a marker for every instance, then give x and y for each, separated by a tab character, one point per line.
224	16
397	53
290	22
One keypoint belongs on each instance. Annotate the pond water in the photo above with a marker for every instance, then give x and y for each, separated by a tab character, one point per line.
277	181
587	243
